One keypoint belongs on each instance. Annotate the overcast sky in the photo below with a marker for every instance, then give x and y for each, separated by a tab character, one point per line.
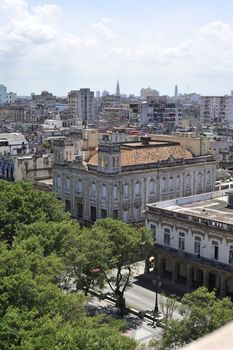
60	45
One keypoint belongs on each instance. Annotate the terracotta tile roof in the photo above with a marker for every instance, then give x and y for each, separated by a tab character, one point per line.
148	155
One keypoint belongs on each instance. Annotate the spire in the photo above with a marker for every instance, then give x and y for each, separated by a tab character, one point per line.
176	91
118	89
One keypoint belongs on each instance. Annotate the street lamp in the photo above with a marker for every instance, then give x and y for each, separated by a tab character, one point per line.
157	284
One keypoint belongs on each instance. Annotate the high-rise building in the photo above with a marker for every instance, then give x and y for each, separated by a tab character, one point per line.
176	91
148	92
82	104
105	93
3	95
118	93
216	109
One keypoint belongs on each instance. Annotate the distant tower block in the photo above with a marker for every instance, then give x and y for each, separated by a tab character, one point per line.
118	89
176	91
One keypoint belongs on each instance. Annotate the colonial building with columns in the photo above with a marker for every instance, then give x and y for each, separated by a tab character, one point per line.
120	178
194	241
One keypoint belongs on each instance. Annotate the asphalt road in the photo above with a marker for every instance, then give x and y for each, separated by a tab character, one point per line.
141	295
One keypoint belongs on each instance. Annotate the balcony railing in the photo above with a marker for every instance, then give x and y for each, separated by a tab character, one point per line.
195	257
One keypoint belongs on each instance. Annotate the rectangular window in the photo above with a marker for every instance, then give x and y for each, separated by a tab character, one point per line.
197	245
231	255
181	244
167	236
153	230
215	250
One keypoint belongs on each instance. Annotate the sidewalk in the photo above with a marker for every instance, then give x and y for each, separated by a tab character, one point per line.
140	330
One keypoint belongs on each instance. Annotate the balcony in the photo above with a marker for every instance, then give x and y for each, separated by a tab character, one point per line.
195	257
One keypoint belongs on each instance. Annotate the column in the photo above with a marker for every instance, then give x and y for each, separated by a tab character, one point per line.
223	286
189	277
146	269
174	273
206	278
160	265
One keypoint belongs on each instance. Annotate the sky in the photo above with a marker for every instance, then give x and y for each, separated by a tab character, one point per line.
63	45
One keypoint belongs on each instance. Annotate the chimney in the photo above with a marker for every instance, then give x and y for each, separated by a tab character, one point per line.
145	140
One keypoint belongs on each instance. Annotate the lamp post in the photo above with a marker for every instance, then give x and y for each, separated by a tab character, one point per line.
157	284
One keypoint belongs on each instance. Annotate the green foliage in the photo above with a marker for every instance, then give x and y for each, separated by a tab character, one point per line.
126	246
51	235
85	257
39	246
21	204
202	313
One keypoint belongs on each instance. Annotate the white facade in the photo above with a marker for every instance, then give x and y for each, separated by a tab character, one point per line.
13	144
194	236
11	98
217	109
52	124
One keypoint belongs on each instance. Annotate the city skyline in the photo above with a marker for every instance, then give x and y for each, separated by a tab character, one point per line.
60	46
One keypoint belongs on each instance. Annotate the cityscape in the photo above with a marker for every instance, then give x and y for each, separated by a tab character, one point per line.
116	209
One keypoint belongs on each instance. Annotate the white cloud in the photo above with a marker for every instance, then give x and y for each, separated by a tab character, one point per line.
102	28
39	47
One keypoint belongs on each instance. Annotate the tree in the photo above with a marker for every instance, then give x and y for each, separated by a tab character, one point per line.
202	313
85	258
168	307
21	204
36	315
51	235
127	245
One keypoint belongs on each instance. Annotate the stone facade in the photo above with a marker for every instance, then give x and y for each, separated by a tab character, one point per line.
120	179
193	242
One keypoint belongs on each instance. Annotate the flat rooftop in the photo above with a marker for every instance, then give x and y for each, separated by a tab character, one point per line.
210	206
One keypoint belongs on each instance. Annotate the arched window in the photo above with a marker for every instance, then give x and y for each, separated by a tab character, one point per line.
79	187
199	179
164	184
137	188
93	189
208	177
126	190
67	184
178	182
103	191
171	180
115	192
152	186
187	181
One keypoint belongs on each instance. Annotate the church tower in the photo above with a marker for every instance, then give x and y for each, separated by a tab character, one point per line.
118	89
